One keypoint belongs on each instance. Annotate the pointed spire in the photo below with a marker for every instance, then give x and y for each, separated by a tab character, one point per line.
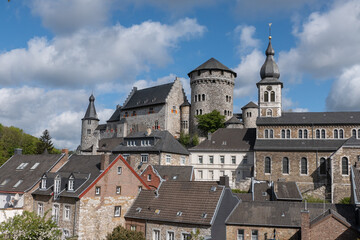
91	112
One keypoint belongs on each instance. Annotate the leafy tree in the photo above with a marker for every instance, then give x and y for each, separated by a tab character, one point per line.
195	140
29	225
184	139
196	235
210	122
45	143
120	233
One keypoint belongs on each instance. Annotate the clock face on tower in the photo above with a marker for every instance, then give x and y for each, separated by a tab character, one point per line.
269	88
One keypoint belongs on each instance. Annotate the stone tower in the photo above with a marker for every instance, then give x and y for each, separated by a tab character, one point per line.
89	136
212	88
185	116
249	114
269	87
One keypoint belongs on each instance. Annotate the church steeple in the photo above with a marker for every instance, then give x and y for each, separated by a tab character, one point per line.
91	112
269	87
89	132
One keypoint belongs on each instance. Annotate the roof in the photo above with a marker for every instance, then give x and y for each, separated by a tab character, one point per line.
355	181
233	120
11	174
311	118
287	191
101	127
244	197
148	96
228	139
175	173
298	144
262	191
163	141
179	202
107	144
250	105
212	64
86	169
185	103
91	112
115	117
284	214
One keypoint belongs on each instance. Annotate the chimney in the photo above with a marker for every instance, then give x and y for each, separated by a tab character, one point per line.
66	152
209	136
105	161
305	223
224	181
17	151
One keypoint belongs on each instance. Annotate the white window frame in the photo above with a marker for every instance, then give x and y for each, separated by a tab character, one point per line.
222	159
119	170
182	160
56	212
97	191
117	211
168	237
149	177
211	159
71	184
118	190
168	158
67	212
200	159
43	183
239	236
144	158
40	209
57	185
253	236
185	235
232	159
156	234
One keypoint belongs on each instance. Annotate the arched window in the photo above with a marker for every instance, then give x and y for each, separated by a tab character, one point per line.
266	133
199	97
305	133
317	133
266	96
341	133
358	133
285	165
300	133
271	133
225	112
269	113
197	112
200	111
322	166
323	135
272	96
267	165
288	133
354	132
345	166
283	133
227	98
336	135
303	165
195	98
203	97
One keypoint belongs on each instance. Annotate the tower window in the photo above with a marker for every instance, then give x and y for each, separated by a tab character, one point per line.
317	133
354	132
203	97
341	133
225	112
336	135
305	133
283	133
88	131
200	111
195	98
272	96
227	98
197	112
199	97
300	135
323	135
89	122
266	96
303	165
269	113
288	133
267	165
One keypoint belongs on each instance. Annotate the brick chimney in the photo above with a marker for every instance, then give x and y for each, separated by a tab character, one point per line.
66	152
105	161
305	223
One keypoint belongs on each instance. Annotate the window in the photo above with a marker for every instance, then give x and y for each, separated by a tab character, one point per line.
272	96
254	235
211	174
144	158
303	166
345	166
222	159
211	159
149	177
269	113
66	233
157	124
168	159
305	133
283	133
156	234
97	190
336	135
22	166
266	133
170	236
57	185
40	210
233	159
341	133
195	98
200	158
225	112
203	97
5	182
245	160
300	134
71	184
285	165
200	174
322	166
266	96
66	212
118	190
271	135
151	110
200	112
133	228
185	236
267	165
222	173
34	166
199	97
89	121
323	134
119	170
55	213
43	183
134	113
139	188
354	132
117	211
240	234
182	160
288	133
317	133
227	98
88	131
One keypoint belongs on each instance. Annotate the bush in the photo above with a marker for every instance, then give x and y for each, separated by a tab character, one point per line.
345	200
120	233
195	140
238	191
312	199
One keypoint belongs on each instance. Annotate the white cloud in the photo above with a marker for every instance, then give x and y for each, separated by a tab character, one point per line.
90	57
246	38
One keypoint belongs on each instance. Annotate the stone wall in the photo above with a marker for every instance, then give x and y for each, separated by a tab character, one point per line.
249	116
281	233
89	139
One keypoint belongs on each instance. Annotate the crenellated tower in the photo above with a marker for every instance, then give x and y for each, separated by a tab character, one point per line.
89	136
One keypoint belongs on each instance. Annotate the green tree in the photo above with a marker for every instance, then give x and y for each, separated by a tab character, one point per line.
45	143
120	233
29	225
195	140
185	139
196	235
210	122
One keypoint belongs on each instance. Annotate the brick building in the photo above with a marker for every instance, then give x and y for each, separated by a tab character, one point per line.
89	196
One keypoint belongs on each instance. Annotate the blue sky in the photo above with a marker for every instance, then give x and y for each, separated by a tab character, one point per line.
54	54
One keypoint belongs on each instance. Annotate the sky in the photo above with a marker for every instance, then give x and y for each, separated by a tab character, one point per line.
55	54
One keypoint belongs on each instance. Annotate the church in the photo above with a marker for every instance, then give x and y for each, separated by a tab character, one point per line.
318	150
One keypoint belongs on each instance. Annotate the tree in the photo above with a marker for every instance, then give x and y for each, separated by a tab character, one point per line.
196	235
120	233
184	139
29	225
210	122
45	143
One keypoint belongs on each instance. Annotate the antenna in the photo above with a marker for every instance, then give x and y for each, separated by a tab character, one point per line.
270	30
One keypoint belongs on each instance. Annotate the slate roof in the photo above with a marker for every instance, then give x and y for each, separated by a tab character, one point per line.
244	197
311	118
298	144
192	199
91	112
233	120
284	214
101	127
228	139
115	117
262	191
163	142
10	174
212	64
287	191
86	168
355	181
250	105
107	144
175	173
148	96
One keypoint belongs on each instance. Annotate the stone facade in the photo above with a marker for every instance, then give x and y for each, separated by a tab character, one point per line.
263	232
249	116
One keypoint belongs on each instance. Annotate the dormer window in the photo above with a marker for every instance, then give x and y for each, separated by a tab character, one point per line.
43	183
71	183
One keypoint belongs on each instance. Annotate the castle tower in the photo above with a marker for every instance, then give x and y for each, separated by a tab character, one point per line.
269	87
249	114
212	88
185	116
90	122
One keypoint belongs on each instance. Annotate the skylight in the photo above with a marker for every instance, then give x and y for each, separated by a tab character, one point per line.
34	166
18	183
5	182
22	166
179	213
204	215
213	188
138	209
